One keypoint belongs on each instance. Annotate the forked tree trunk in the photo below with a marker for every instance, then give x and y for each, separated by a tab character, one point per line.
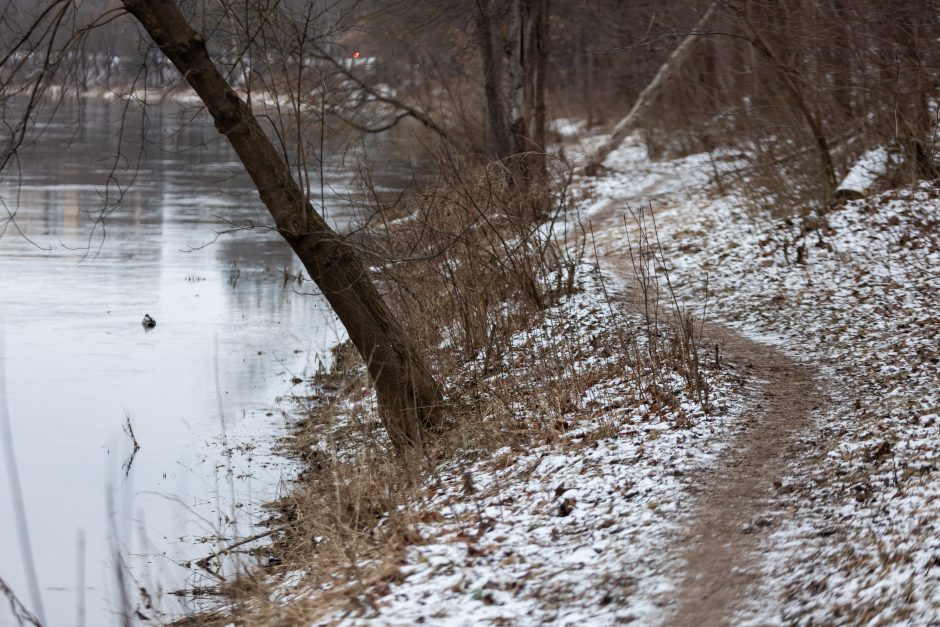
409	398
629	123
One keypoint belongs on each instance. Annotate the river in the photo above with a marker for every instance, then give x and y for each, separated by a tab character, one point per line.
203	391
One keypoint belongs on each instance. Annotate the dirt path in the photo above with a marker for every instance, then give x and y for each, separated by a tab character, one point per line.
734	503
733	510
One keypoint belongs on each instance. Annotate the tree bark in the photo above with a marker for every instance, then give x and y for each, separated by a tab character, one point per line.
913	119
539	54
527	81
628	124
518	118
498	129
409	398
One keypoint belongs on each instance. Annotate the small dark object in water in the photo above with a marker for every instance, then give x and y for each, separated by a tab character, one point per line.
148	322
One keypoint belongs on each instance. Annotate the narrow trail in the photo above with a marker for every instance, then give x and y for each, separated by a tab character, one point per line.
735	501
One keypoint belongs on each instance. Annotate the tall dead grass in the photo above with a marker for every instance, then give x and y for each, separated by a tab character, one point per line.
479	283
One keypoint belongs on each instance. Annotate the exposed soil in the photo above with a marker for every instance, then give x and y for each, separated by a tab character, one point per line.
735	501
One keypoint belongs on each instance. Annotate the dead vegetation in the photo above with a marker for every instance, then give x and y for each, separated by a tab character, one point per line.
537	351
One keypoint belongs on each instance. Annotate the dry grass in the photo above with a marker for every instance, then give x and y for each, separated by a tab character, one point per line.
478	276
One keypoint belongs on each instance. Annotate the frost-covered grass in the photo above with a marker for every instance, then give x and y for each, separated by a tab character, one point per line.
559	500
853	291
578	432
578	525
569	475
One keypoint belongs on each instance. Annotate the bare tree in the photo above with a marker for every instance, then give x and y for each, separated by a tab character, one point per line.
528	49
408	395
646	98
790	81
913	89
491	61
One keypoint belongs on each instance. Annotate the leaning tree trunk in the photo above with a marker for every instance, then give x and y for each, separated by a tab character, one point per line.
628	124
408	396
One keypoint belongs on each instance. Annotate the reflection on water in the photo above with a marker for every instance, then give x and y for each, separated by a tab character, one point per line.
199	390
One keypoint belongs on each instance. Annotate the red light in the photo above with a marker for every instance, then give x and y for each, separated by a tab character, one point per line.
356	54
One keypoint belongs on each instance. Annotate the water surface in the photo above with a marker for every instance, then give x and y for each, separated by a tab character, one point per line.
200	390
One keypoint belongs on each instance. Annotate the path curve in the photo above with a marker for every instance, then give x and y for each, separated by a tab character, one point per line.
735	500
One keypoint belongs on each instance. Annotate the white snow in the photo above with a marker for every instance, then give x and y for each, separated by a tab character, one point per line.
583	528
859	542
870	166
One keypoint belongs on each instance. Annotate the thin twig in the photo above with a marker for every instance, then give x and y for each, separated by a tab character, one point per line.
16	488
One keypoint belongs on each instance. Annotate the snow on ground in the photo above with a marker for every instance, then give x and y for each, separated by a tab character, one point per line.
867	170
583	526
580	529
854	292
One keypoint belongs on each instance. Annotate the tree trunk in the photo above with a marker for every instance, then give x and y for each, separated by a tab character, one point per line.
498	130
518	118
539	54
914	122
872	165
842	62
527	81
628	124
408	396
589	94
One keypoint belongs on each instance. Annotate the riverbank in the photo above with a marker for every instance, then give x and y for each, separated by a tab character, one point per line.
604	464
581	461
578	435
